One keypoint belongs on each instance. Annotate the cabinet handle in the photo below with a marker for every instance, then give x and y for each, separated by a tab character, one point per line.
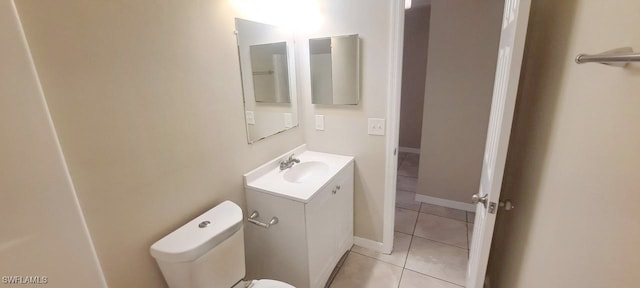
334	191
338	187
255	214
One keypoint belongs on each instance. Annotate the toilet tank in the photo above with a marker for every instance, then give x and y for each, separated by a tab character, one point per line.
206	252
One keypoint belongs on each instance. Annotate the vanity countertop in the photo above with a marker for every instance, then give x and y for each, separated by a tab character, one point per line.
298	185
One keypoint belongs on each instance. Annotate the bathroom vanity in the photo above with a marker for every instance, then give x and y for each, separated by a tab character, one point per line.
300	219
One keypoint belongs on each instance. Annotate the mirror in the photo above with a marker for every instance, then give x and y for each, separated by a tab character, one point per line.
268	78
335	70
270	72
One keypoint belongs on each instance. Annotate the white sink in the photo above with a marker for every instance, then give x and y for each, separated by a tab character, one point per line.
300	173
302	180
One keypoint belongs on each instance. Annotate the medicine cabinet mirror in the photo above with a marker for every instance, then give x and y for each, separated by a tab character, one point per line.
335	70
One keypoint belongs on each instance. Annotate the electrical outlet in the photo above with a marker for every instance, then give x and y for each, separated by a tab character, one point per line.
320	122
376	126
251	120
288	120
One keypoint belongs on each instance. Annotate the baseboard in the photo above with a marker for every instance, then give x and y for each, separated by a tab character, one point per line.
369	244
446	203
409	150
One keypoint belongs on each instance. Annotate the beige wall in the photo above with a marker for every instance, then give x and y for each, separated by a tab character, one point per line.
463	48
147	101
42	232
414	73
574	159
346	126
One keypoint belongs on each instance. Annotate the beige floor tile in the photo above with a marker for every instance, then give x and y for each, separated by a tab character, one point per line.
397	257
401	157
407	200
405	220
408	168
438	260
363	271
411	279
471	217
413	158
445	230
408	184
444	211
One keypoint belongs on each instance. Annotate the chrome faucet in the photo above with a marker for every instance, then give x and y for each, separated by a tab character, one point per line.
286	164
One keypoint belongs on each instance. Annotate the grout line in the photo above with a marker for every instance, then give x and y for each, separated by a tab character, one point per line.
433	277
400	175
443	216
411	241
402	273
374	258
454	246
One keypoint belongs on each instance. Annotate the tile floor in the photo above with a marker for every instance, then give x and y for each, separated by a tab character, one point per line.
430	244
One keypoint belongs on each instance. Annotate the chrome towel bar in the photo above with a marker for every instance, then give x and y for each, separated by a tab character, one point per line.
618	57
255	214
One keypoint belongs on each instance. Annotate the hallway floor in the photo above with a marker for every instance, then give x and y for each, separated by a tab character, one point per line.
431	244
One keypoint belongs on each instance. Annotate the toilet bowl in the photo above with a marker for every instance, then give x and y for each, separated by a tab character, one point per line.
208	252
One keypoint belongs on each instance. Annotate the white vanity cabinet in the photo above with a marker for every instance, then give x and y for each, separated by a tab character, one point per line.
310	237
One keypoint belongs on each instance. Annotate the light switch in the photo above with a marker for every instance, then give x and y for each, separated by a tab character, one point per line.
320	122
376	126
288	120
251	120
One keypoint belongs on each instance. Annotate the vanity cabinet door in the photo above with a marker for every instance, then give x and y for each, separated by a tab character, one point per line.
343	219
320	236
330	226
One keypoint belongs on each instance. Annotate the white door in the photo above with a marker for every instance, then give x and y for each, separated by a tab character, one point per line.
512	38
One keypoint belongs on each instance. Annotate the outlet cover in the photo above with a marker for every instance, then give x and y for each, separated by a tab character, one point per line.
251	120
376	126
320	122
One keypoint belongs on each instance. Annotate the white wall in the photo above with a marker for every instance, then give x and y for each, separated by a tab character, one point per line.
346	125
463	49
414	74
147	101
42	232
574	161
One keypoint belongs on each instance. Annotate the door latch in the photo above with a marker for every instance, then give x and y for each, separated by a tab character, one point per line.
492	207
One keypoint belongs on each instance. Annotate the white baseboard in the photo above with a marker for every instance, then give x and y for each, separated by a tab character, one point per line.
409	150
369	244
446	203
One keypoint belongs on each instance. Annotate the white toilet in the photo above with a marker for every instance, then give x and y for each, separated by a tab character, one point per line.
208	252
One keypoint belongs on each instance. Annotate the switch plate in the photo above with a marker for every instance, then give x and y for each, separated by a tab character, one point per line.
251	120
288	120
376	126
320	122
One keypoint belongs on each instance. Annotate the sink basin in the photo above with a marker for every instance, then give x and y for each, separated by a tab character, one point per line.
301	181
304	171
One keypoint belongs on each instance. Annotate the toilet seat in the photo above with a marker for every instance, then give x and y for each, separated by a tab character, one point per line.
268	283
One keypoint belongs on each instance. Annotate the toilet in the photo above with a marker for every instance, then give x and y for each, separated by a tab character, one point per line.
208	252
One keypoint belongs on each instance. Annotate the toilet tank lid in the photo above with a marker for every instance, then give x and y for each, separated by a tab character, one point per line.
200	235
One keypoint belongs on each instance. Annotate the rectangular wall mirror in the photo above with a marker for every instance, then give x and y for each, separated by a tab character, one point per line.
267	65
335	70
